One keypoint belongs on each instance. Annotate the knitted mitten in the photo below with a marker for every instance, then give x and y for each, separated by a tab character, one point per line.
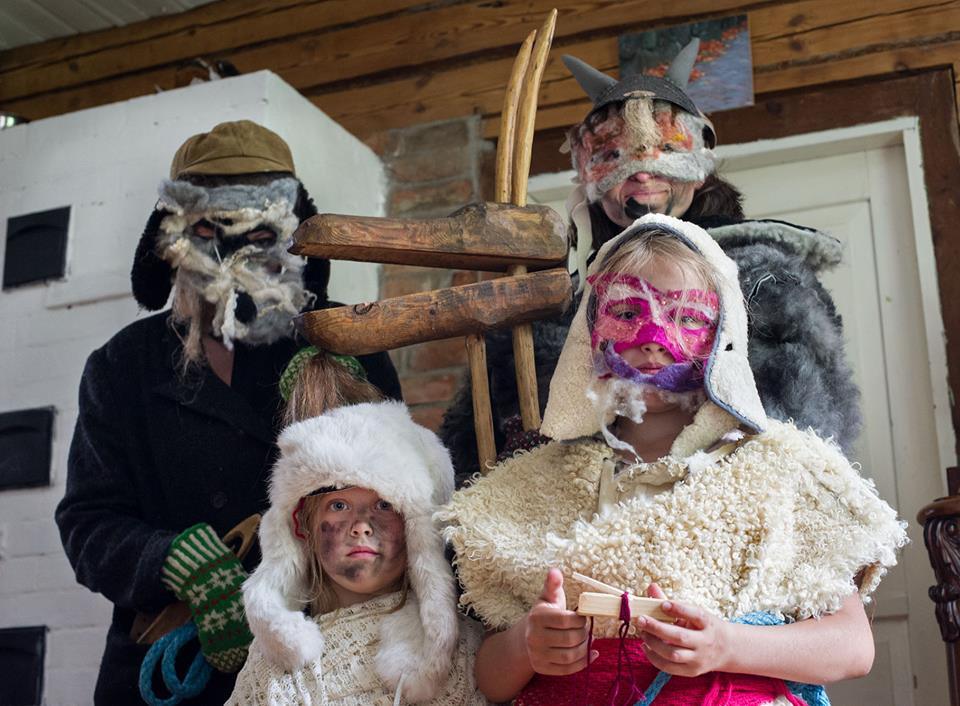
201	570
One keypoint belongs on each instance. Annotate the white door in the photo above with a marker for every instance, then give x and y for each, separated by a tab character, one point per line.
861	195
862	199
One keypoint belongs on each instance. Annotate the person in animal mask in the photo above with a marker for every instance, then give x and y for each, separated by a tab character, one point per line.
667	476
179	412
645	147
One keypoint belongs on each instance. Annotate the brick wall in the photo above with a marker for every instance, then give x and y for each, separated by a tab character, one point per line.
433	169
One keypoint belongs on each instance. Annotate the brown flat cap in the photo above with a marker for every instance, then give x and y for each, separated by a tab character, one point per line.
240	147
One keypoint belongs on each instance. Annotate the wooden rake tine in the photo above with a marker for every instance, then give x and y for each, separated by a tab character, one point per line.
519	176
508	120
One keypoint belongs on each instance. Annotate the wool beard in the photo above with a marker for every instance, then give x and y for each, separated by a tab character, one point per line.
254	291
613	397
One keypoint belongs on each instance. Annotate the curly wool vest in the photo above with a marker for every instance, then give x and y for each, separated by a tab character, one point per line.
783	524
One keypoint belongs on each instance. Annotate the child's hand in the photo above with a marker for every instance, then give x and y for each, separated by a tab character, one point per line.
556	638
698	643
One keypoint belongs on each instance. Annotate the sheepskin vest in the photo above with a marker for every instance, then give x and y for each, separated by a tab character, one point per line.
783	523
344	675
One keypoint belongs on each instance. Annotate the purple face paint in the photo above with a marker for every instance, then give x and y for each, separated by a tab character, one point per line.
679	377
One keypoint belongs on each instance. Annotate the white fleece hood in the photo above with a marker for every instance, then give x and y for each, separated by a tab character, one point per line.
375	446
728	380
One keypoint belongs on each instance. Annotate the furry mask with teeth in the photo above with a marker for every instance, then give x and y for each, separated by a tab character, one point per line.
229	247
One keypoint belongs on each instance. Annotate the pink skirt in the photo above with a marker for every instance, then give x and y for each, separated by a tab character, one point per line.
598	685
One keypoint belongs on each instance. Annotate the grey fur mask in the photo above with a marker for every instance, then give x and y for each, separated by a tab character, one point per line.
647	135
255	287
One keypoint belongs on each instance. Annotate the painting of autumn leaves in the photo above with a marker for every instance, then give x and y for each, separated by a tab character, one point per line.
722	78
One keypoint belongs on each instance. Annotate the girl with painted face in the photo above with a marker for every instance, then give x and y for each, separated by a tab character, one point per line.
354	602
665	476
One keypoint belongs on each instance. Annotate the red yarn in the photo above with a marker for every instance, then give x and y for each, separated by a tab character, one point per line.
297	529
596	686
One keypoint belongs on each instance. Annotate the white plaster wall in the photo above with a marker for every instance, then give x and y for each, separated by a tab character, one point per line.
342	175
105	163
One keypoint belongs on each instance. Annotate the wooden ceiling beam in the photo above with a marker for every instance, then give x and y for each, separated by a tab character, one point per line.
204	36
833	42
886	22
65	48
290	42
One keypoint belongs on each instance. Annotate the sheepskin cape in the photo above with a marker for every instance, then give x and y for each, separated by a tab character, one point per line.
783	524
375	446
346	675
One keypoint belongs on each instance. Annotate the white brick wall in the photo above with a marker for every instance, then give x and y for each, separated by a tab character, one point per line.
105	163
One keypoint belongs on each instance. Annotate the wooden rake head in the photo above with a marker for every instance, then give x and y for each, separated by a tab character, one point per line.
505	236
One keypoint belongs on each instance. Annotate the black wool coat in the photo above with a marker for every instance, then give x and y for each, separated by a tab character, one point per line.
154	453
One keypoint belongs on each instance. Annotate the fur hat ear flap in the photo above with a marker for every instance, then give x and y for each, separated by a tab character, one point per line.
273	601
316	278
418	641
316	273
151	277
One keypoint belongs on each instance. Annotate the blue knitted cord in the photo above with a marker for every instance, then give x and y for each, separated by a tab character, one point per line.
813	694
167	648
654	689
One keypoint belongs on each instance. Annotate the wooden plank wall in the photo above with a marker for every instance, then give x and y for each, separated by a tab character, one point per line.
376	64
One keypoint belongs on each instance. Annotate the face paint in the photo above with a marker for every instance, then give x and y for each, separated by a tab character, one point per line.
645	136
668	333
229	245
359	540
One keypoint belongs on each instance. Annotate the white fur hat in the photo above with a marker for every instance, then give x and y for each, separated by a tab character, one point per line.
375	446
728	380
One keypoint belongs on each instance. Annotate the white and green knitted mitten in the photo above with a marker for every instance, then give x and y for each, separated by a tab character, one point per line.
202	571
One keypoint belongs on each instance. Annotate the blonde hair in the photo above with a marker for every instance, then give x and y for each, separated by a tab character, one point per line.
635	253
322	384
190	311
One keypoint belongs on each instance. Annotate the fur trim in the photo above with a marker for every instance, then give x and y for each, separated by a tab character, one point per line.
184	197
820	250
151	277
375	446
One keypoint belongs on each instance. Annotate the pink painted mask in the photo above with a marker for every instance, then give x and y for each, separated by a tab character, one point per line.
632	312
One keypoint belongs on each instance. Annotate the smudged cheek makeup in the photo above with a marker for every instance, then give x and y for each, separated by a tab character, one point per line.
364	560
